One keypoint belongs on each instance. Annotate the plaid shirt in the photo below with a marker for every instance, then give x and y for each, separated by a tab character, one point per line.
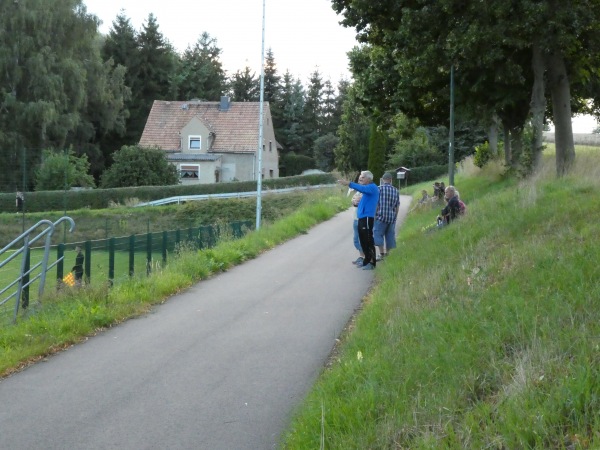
389	201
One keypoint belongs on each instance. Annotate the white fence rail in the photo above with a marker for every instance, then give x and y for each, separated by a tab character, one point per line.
189	198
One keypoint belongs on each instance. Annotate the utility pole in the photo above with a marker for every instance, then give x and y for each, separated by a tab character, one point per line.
260	125
451	145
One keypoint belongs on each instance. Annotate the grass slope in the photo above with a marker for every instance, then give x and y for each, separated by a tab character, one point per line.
485	334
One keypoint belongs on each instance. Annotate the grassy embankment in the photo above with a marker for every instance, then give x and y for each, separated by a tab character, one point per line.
60	321
485	334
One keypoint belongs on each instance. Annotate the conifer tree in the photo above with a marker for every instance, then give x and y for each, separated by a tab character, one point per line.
200	74
245	86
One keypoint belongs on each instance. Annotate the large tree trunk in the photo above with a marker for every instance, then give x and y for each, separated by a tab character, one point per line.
561	107
538	105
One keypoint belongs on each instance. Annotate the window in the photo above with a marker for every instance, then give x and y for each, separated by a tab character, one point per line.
263	147
195	143
189	171
271	173
270	146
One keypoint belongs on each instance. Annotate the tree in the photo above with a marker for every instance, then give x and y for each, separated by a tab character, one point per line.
272	91
139	166
559	39
245	86
312	117
155	72
291	122
64	170
352	151
331	118
324	152
121	46
377	150
200	74
49	58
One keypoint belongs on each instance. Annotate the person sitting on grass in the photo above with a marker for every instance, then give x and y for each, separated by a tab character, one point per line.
452	208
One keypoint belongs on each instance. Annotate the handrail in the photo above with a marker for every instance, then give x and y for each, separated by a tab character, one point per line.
25	241
186	198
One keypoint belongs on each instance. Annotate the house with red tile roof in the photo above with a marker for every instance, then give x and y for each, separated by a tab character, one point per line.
213	142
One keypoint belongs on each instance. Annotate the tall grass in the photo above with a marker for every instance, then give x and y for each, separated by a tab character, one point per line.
484	334
65	318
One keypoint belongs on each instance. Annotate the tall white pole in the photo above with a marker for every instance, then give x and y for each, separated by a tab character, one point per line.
260	124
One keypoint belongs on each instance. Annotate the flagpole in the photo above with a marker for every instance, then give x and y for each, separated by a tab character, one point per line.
260	124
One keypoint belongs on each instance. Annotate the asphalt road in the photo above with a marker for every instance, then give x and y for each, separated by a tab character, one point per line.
219	366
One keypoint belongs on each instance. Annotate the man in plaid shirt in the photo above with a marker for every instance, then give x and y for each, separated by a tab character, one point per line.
385	217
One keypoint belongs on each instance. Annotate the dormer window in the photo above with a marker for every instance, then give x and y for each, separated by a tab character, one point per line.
195	143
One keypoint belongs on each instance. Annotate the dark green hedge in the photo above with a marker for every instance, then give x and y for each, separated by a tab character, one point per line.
102	198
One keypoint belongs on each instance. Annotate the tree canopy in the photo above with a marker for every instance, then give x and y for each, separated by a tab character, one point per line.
411	45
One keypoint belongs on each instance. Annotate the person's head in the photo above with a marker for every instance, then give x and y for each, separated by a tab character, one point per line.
386	178
424	193
78	248
449	192
366	177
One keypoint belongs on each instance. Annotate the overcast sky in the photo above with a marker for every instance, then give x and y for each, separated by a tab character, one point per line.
303	34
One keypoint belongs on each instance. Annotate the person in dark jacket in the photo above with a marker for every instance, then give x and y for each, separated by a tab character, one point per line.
366	216
452	208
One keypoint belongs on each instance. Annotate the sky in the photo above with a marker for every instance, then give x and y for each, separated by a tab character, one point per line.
303	34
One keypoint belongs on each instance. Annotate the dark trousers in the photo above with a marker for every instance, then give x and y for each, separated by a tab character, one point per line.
365	236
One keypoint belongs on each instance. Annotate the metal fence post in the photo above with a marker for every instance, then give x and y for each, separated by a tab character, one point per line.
111	260
25	293
165	242
148	253
60	267
131	255
87	275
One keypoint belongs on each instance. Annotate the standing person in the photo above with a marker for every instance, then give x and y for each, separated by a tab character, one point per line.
78	267
361	255
19	201
384	230
366	216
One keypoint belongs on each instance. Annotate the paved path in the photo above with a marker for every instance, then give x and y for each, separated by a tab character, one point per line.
220	366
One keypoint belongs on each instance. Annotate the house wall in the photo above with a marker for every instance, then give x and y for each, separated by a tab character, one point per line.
206	172
270	155
238	167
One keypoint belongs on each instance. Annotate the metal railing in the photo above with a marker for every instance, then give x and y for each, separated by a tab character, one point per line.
187	198
29	274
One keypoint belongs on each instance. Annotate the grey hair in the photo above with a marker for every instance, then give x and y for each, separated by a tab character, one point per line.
367	174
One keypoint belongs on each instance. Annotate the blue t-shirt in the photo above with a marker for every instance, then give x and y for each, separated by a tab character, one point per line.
368	203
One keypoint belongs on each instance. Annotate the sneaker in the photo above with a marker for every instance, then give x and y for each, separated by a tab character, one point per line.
380	257
369	267
358	261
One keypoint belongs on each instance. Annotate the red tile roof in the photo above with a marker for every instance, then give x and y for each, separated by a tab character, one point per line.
236	130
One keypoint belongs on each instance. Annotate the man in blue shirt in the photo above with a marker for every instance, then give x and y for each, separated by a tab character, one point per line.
385	218
366	216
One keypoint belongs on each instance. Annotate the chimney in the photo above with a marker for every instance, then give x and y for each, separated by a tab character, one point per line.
224	106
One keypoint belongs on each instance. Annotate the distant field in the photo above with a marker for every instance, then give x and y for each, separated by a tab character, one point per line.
578	138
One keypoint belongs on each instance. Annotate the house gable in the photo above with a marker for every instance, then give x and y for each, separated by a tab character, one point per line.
196	136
